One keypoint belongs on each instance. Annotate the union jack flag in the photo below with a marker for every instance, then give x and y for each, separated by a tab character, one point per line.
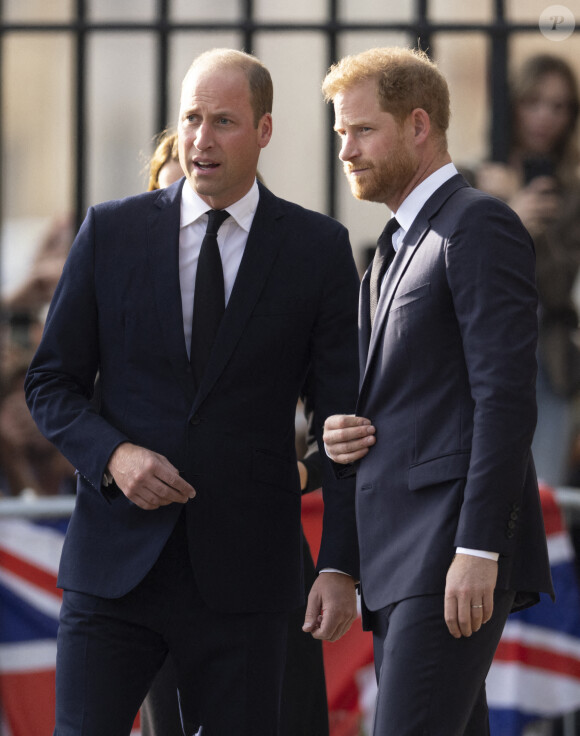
536	670
29	607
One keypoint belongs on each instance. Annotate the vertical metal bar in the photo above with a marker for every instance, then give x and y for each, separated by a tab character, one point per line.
498	87
80	113
162	97
2	142
423	40
332	57
248	26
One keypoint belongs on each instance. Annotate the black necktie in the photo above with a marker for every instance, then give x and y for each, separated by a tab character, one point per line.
384	254
209	299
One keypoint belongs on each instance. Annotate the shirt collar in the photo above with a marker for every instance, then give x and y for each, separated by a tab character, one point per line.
243	211
413	203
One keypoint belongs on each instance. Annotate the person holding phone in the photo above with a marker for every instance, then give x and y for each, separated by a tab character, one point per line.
540	182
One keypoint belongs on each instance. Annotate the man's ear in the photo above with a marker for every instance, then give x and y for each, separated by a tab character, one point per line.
264	130
421	125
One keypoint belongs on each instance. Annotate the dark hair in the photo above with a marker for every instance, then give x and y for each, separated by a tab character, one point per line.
523	86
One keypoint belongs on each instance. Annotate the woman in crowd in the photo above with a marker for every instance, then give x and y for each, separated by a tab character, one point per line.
540	182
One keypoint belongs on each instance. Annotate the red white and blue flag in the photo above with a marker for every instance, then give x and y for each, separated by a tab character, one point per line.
29	607
536	670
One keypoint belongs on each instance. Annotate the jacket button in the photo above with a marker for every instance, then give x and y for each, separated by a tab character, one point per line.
509	534
514	515
511	524
195	420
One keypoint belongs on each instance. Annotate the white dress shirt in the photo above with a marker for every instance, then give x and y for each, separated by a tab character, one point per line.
232	238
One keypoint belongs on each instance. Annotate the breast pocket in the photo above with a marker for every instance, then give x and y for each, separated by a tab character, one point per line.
409	297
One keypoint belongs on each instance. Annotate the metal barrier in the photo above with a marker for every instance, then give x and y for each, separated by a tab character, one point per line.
39	507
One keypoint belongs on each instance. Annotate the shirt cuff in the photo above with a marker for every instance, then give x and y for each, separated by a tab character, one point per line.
478	553
331	569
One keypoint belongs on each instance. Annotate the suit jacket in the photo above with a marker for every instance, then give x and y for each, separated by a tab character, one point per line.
290	323
448	380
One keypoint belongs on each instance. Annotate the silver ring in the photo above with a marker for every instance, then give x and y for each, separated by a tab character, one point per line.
480	605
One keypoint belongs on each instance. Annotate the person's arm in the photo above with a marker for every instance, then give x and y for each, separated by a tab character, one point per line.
491	275
60	386
333	385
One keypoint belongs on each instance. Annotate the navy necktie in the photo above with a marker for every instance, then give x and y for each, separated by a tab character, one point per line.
209	299
384	255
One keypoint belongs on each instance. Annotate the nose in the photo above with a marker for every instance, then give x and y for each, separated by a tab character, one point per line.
348	148
203	137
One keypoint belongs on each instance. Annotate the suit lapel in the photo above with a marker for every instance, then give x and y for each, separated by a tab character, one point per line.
364	321
411	242
163	256
264	241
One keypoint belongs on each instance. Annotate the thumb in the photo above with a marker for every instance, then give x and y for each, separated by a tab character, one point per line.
313	615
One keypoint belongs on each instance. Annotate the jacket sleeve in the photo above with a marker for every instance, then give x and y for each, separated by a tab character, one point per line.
332	388
491	272
61	378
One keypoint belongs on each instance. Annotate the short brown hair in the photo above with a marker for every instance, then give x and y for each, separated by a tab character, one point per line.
165	150
406	79
259	79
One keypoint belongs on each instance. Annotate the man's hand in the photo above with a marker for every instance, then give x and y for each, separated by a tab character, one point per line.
148	479
469	594
347	437
331	606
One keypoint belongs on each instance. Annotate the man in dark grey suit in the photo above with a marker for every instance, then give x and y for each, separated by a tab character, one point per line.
186	533
450	523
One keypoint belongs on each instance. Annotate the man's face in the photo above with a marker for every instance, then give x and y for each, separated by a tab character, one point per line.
378	157
219	144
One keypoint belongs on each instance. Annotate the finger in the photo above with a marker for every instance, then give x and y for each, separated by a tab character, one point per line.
464	617
170	476
345	435
312	616
344	458
334	624
164	495
327	629
487	610
476	616
169	491
144	499
451	619
340	421
350	450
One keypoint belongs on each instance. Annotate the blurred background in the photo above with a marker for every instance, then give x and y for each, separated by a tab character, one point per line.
87	84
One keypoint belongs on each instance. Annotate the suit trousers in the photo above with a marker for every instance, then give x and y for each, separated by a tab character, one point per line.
229	666
304	710
429	683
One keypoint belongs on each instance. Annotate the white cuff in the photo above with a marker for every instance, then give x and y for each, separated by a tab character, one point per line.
478	553
331	569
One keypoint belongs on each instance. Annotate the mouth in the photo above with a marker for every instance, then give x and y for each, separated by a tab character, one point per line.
356	172
205	165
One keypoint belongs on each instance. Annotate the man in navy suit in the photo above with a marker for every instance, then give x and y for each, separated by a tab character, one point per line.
450	524
186	533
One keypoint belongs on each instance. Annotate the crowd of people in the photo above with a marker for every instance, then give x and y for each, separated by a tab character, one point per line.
164	385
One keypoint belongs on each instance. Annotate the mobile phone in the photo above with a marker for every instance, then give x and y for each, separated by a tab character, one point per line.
535	166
